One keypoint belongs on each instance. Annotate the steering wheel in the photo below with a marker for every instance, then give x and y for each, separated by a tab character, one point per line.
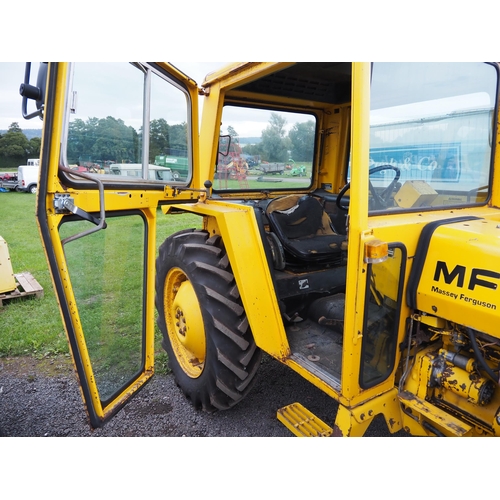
381	200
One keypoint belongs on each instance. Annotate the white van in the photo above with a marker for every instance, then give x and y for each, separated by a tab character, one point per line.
27	178
156	173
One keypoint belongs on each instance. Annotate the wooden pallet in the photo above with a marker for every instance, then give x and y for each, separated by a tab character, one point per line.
27	286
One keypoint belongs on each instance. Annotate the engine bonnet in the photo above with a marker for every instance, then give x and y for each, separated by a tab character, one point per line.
456	273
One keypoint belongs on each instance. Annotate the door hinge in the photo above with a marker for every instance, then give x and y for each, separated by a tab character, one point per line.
64	203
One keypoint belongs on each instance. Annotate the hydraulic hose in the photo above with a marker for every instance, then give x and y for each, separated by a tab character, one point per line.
480	358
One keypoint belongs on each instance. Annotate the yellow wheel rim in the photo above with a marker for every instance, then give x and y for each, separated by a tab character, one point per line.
184	321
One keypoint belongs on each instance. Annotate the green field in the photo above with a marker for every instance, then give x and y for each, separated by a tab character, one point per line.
34	326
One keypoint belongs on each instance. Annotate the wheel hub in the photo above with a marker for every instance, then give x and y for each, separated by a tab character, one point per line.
185	322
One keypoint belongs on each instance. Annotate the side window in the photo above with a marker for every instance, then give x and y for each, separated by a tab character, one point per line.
268	149
126	120
168	132
380	331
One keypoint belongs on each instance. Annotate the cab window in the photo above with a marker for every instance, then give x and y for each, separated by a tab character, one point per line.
264	149
431	129
125	122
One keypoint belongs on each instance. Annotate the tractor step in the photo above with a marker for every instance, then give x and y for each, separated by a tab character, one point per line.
302	422
26	286
433	414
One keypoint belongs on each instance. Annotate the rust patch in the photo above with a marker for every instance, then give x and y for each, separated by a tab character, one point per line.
337	432
408	396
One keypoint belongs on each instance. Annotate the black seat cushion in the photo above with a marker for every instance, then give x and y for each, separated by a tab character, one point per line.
304	229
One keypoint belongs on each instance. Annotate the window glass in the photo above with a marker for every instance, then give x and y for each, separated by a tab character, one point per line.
168	132
107	277
431	127
382	308
267	149
109	105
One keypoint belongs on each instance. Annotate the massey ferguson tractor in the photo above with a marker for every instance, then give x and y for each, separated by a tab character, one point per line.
375	276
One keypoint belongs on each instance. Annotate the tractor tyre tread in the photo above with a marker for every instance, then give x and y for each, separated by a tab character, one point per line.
232	357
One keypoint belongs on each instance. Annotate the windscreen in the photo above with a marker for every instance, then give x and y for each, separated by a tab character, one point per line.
431	128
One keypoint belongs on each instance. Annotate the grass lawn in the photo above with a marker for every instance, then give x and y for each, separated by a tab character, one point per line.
34	326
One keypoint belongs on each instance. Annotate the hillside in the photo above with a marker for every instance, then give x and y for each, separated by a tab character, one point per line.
28	132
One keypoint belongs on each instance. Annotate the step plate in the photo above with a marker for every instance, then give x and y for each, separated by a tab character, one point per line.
302	422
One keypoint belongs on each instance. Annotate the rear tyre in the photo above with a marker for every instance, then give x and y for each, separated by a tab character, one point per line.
211	350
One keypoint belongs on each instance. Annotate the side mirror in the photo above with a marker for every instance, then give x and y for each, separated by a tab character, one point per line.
224	144
37	93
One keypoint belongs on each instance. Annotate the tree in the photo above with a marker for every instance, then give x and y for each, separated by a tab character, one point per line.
275	145
159	138
115	141
34	147
231	131
302	141
253	149
178	136
79	140
14	142
14	146
102	139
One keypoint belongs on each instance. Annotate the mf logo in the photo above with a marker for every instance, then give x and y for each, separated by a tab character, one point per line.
303	284
459	273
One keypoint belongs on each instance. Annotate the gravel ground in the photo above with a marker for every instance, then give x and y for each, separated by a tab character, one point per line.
42	398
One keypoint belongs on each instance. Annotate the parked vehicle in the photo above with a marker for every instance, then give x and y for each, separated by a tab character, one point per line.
27	177
272	168
8	180
176	160
135	170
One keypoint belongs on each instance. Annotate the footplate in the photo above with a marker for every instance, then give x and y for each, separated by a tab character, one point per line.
302	422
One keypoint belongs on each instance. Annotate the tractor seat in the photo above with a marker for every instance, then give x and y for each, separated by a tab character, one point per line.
305	229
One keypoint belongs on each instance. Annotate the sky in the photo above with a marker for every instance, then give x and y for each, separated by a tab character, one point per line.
380	31
12	75
90	83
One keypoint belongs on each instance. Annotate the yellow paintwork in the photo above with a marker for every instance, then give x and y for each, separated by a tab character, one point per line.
358	216
302	422
353	422
7	280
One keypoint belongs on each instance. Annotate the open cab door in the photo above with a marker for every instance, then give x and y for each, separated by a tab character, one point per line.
119	139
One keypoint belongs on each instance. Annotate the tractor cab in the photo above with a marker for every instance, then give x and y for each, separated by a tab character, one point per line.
329	195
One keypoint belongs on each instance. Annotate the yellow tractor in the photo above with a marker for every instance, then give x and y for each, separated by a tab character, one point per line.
374	276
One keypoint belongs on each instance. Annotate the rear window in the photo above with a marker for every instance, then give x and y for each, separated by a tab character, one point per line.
264	149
